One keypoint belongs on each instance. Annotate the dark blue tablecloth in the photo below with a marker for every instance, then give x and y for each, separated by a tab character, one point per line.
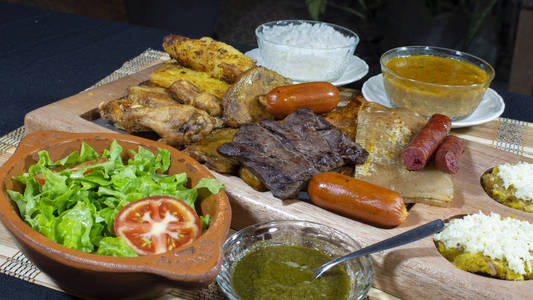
46	56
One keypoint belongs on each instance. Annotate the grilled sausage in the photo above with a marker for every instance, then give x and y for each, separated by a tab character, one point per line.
321	97
416	155
448	154
357	199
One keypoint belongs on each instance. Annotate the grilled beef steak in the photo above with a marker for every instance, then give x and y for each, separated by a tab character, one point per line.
285	155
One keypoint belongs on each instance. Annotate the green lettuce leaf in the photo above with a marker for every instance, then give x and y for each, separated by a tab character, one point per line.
115	246
74	227
211	184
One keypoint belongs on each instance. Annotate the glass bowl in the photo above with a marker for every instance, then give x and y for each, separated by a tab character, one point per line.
308	55
428	98
299	233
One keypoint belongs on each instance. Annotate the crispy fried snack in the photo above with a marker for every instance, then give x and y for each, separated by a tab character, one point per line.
205	151
385	132
247	176
218	59
170	72
345	118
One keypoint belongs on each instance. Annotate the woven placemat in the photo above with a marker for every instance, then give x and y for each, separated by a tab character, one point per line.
504	134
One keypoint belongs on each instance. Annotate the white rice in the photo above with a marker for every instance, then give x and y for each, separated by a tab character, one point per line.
307	35
306	52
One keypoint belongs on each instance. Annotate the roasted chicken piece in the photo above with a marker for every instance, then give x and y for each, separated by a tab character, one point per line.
345	118
217	59
205	151
170	72
177	124
114	110
148	83
150	96
241	102
152	108
187	93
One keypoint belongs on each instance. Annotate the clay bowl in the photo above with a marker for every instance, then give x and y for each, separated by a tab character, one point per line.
98	276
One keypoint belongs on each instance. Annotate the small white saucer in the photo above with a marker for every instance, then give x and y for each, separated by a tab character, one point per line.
490	107
355	70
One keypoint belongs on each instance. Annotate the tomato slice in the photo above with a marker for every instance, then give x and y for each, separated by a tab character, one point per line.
157	224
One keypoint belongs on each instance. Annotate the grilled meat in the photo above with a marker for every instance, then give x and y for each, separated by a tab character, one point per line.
217	59
241	102
187	93
285	155
205	151
170	72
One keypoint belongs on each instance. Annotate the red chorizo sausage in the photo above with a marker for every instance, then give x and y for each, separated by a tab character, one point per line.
416	155
358	199
448	154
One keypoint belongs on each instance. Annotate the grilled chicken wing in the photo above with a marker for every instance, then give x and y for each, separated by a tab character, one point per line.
176	124
187	93
114	111
170	72
152	108
218	59
150	96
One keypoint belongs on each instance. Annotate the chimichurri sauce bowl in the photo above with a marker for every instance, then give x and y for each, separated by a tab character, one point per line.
274	260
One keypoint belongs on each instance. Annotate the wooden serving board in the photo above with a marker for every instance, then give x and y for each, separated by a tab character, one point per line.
413	271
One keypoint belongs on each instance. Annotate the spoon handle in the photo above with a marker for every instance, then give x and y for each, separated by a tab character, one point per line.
395	241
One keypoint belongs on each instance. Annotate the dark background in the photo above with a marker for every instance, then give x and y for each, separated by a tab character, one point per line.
381	24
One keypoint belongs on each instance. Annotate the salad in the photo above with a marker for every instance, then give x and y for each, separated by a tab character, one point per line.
74	201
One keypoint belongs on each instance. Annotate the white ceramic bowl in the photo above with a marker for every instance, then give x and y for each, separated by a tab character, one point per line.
309	56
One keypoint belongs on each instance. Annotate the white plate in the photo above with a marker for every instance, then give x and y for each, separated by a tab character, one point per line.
355	70
490	107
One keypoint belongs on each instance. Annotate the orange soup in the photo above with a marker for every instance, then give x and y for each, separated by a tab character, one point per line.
438	70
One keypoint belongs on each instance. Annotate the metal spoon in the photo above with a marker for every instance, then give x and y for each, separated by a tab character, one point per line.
407	237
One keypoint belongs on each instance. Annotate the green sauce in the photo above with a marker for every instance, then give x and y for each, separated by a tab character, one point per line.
285	272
